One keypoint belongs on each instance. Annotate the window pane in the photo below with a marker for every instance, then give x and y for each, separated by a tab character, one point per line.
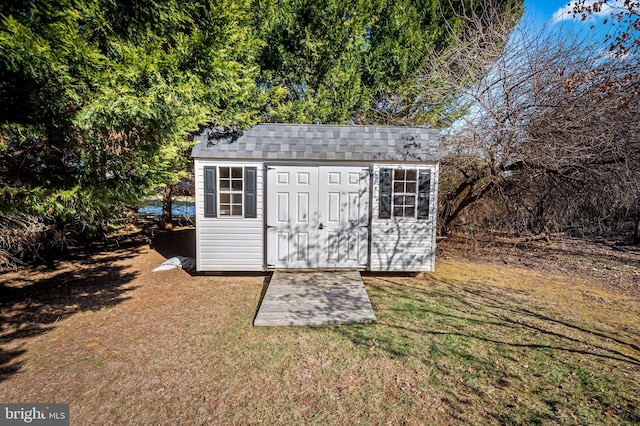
411	187
398	200
412	174
397	211
425	181
409	212
409	200
230	179
398	174
398	187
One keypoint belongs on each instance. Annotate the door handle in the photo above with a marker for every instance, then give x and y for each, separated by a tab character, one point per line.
321	226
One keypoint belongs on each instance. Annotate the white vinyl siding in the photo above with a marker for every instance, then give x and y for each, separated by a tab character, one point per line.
228	243
403	244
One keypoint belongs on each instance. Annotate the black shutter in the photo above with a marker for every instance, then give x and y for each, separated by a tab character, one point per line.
250	197
424	191
210	201
385	194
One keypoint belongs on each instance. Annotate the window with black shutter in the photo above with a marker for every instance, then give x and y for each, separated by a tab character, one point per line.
404	193
230	191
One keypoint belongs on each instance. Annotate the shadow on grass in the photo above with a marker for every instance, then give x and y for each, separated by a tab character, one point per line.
32	301
483	339
175	242
489	308
265	287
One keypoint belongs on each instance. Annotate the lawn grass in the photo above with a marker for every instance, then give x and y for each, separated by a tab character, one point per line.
473	343
511	346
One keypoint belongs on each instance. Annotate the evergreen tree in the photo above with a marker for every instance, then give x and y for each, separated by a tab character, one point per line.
355	60
96	97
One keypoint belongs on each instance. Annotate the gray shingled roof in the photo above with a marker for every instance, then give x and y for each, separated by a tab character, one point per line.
319	142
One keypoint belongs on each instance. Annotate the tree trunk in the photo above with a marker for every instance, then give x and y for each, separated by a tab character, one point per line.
636	231
166	221
131	218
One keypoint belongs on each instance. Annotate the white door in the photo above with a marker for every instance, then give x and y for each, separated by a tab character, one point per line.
292	217
344	217
317	217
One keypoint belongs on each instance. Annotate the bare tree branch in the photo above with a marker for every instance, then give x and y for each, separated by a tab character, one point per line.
550	124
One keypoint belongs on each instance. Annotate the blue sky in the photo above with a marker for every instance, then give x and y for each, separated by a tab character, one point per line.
554	13
544	9
556	10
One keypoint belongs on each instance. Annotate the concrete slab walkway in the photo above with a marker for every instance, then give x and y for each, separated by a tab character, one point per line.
314	298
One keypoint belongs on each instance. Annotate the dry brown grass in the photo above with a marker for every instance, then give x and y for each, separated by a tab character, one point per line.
475	342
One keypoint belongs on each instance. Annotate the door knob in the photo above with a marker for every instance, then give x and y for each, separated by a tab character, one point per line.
321	226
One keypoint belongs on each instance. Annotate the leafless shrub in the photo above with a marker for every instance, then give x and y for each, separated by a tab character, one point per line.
25	238
19	235
549	128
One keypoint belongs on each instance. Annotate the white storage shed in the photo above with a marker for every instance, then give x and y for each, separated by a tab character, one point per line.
281	196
